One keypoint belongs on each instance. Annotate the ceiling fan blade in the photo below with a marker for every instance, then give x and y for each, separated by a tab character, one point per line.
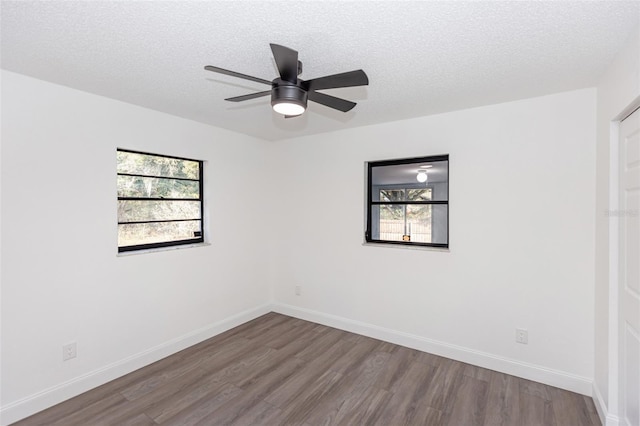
249	96
331	101
345	79
236	74
287	62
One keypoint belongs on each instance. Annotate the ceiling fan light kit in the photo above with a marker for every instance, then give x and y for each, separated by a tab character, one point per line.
422	173
288	100
289	94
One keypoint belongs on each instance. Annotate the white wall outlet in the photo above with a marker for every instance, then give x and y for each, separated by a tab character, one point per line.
69	351
298	290
522	336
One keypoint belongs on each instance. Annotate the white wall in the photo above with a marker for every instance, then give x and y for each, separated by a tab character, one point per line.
617	90
62	280
522	178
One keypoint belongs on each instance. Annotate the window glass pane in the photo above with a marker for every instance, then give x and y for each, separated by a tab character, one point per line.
142	210
440	191
149	233
405	176
404	223
391	223
440	227
420	223
391	212
422	194
145	187
151	165
416	223
392	195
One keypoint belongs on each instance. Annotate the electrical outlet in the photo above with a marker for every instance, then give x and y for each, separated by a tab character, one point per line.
298	290
69	351
522	336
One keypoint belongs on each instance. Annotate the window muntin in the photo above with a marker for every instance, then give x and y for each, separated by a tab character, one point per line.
402	210
159	200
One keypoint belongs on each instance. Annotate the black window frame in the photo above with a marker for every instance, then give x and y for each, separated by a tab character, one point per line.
200	180
370	203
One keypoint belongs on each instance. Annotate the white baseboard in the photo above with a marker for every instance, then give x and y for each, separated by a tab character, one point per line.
27	406
606	418
556	378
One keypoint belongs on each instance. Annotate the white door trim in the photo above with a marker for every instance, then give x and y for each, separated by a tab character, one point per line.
614	404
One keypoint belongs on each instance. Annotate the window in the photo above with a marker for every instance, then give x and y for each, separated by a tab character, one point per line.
408	201
159	201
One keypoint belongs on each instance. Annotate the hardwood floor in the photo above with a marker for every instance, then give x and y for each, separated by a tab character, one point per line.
277	370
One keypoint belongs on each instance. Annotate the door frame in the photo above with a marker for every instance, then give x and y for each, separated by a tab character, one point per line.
614	385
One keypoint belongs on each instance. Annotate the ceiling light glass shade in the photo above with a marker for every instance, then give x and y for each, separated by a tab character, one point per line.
288	100
288	108
422	176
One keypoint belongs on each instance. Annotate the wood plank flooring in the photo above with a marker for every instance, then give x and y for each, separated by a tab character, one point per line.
278	370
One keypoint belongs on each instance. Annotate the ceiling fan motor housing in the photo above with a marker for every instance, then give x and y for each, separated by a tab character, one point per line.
283	92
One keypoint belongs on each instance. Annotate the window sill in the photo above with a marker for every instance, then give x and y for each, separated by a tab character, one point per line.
406	247
155	250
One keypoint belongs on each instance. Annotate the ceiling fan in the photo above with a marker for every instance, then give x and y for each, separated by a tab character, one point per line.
289	94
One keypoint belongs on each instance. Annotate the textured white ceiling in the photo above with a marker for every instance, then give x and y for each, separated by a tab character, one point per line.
421	57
